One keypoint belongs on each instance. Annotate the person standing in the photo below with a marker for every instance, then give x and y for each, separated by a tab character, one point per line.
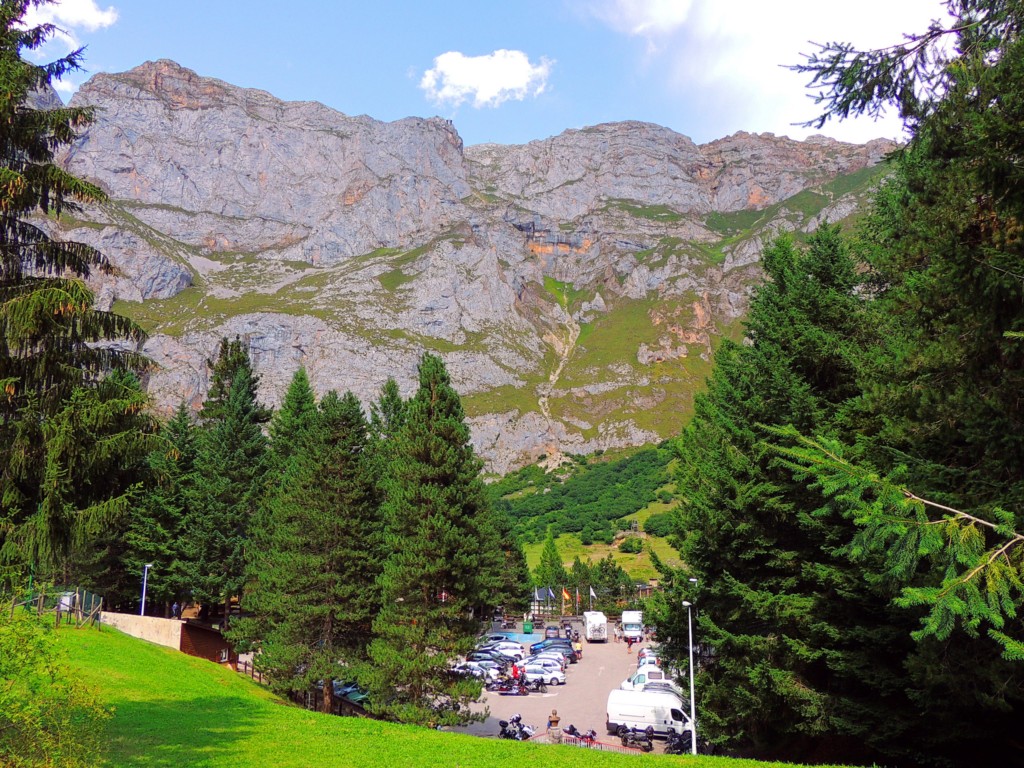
175	610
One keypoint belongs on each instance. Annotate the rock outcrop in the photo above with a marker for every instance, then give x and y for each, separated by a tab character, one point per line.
575	286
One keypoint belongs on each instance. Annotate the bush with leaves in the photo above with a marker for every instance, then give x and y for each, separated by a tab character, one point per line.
47	717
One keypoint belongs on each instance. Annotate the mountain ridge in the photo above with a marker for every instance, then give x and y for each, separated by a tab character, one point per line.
576	286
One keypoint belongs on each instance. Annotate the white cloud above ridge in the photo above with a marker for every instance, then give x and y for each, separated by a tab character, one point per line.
733	57
488	80
69	16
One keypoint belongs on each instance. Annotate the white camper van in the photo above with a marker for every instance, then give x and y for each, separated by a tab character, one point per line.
595	626
633	625
661	710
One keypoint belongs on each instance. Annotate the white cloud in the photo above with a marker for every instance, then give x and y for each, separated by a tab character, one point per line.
643	18
489	80
731	57
71	16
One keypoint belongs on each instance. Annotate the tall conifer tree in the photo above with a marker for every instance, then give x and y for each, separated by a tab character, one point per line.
48	325
443	563
314	592
223	494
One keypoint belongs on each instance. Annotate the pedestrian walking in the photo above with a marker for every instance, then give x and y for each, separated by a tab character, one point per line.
175	610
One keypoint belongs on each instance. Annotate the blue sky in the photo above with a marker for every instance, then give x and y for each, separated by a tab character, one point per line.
506	72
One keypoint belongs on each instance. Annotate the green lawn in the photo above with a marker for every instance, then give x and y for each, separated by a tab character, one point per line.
173	710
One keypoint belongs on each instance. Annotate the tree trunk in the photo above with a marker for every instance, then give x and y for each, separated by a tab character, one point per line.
328	701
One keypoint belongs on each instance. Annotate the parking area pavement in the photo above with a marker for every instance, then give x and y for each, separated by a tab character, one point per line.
581	701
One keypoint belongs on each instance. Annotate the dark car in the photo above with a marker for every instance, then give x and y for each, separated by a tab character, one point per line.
550	642
500	658
566	651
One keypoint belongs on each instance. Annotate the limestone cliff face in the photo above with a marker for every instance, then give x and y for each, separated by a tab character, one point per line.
575	286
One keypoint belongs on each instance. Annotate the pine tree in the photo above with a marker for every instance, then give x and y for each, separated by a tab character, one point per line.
156	530
550	572
807	653
293	423
314	592
224	490
443	564
48	327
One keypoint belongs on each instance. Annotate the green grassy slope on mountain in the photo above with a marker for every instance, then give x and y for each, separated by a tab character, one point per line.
173	710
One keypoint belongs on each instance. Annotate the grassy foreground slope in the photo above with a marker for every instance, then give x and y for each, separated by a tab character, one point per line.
175	710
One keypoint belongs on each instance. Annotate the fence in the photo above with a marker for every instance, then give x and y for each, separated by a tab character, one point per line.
601	746
68	604
247	668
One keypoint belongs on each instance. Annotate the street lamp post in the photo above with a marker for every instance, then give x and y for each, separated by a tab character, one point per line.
145	577
693	708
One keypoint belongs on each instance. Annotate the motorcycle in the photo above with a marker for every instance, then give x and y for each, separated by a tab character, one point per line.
634	737
537	686
508	687
587	738
678	743
514	729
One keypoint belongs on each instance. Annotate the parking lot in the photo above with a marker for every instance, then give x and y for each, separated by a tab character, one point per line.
581	701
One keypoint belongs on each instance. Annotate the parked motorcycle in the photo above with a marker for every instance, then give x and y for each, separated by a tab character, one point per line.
508	687
678	743
634	737
587	738
513	728
538	686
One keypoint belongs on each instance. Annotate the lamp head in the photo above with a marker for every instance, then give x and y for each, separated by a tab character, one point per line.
687	603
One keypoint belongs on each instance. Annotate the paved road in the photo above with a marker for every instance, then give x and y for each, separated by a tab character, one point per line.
581	701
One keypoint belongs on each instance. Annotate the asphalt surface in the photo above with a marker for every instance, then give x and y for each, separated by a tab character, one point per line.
581	701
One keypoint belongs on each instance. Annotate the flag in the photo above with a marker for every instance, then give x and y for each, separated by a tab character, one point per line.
551	593
577	598
538	595
565	594
593	594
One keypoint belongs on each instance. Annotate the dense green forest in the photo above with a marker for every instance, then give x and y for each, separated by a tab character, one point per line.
589	497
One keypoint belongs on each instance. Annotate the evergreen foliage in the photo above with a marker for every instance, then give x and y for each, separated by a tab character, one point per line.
156	530
223	493
550	572
805	653
912	471
442	570
313	592
589	499
49	329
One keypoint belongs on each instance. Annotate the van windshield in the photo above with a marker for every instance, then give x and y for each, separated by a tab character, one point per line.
631	627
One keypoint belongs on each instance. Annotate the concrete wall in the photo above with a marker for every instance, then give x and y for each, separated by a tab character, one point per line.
165	632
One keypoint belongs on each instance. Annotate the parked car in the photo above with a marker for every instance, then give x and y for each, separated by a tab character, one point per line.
549	676
497	637
495	656
549	642
552	631
476	670
489	666
515	650
554	661
564	650
648	655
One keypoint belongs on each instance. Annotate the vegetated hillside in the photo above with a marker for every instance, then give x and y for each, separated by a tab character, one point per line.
592	498
577	287
174	710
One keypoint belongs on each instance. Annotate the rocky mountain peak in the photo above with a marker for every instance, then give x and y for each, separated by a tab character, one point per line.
576	285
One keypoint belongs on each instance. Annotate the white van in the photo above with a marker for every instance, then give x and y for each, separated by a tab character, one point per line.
647	674
633	625
595	626
638	709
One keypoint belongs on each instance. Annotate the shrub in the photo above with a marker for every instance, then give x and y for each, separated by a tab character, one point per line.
633	545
